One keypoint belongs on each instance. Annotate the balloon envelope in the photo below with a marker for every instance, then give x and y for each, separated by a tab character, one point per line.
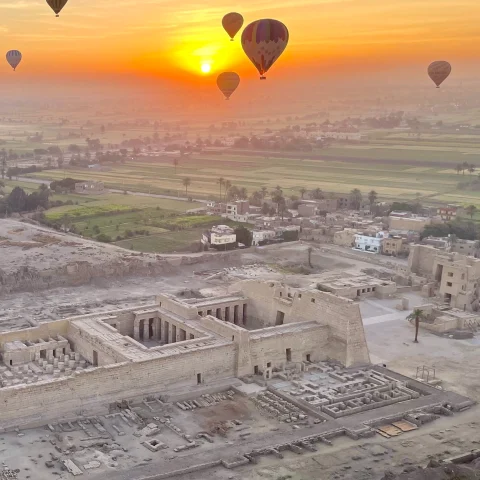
439	71
264	41
232	23
14	57
57	5
228	82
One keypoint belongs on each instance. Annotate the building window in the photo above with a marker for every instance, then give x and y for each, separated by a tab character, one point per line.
288	354
463	276
449	284
269	364
450	274
312	300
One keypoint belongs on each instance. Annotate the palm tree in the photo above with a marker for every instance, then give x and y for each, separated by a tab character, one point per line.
471	169
175	164
317	194
221	182
417	315
303	191
372	197
277	197
458	168
243	194
186	183
4	163
228	186
471	210
264	192
256	198
356	198
465	166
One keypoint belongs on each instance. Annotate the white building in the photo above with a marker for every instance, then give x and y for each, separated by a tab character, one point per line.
341	135
370	244
219	235
260	236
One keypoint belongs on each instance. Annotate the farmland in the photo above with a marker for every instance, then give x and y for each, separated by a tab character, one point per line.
395	172
398	164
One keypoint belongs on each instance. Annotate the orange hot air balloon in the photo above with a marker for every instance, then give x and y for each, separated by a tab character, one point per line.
232	23
264	41
439	71
228	82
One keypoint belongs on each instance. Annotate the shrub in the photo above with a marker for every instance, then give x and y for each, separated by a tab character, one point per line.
104	238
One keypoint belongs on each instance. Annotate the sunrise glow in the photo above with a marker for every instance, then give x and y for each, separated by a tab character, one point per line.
206	68
171	39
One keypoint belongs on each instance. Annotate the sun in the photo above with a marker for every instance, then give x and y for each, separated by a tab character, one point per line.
206	68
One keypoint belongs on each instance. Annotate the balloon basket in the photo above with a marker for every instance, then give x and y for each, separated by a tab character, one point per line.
263	78
231	39
57	15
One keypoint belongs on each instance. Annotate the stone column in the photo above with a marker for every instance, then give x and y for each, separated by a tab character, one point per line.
146	329
158	328
136	330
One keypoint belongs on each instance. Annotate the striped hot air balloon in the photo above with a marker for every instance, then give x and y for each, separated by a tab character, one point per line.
264	41
439	71
14	57
57	5
232	23
228	82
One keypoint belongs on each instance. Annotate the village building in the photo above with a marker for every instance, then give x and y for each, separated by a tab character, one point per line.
90	188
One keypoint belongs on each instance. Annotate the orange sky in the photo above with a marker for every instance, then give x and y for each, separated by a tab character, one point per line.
172	38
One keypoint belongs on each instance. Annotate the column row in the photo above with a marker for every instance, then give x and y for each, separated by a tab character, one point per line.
236	314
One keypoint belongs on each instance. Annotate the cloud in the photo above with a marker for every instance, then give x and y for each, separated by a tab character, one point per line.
20	4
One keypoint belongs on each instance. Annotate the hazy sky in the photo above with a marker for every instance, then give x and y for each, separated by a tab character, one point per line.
172	38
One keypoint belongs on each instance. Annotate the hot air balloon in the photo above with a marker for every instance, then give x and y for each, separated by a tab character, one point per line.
14	57
264	41
57	5
232	23
228	82
439	71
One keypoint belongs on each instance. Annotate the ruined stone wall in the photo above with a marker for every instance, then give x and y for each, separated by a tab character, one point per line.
272	349
84	343
123	323
341	315
170	303
421	259
29	278
44	330
44	400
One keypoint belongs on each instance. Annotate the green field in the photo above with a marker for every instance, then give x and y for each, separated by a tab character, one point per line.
397	164
167	242
397	173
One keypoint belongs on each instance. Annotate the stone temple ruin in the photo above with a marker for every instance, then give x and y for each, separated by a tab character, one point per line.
200	382
261	327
